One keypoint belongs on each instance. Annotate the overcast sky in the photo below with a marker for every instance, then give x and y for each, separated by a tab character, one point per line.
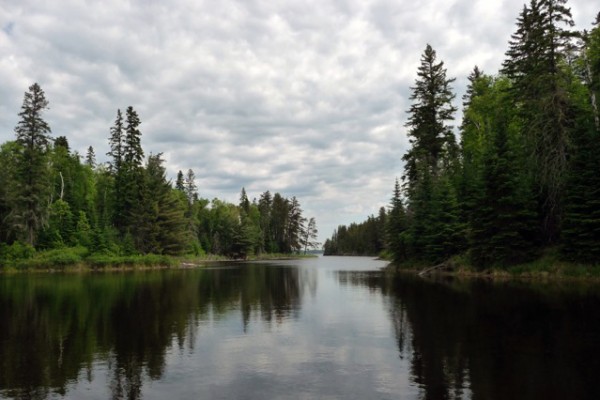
305	98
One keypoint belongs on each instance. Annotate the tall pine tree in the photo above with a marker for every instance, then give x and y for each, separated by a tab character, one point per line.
29	209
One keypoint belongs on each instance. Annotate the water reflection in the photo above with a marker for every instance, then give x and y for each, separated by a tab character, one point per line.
269	331
54	326
475	339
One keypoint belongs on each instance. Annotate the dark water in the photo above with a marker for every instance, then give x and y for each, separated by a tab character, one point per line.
327	328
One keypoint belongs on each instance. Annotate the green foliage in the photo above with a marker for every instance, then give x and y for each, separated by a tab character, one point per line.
28	207
362	239
537	65
581	230
14	252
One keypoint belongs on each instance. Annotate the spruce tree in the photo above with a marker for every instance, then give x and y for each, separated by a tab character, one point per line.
179	183
264	207
534	64
90	158
116	143
433	145
29	210
431	161
580	237
190	188
131	175
396	227
160	221
503	222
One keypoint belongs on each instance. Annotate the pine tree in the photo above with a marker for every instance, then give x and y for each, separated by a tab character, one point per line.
534	64
503	222
179	183
265	202
244	202
475	131
29	211
191	190
90	158
130	178
396	227
160	222
295	226
433	145
580	237
116	143
133	154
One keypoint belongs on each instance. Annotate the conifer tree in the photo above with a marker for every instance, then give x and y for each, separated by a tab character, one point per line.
580	237
116	143
503	228
160	222
244	202
29	210
190	188
433	145
396	227
534	64
131	176
90	158
179	183
264	208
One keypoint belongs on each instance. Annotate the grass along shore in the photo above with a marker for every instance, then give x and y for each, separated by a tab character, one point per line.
547	267
79	259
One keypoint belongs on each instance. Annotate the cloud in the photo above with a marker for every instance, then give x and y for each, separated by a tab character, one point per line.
307	98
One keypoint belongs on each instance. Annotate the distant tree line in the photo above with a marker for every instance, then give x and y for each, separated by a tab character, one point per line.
525	175
363	239
52	199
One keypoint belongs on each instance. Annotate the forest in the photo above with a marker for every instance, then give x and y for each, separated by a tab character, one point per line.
523	180
59	208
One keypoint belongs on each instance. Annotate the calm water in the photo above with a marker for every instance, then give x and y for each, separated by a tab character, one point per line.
327	328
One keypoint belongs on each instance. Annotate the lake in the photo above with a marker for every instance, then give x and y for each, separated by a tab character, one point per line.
321	328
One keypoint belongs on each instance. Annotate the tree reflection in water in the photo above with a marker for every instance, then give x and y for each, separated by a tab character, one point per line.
56	326
476	339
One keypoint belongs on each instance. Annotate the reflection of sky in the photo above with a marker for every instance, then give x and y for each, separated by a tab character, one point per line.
340	344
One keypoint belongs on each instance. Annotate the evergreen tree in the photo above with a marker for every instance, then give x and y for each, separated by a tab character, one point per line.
278	224
90	158
295	226
433	145
116	143
161	224
179	183
503	223
244	202
581	232
29	210
9	152
130	178
397	226
534	63
264	207
191	190
133	154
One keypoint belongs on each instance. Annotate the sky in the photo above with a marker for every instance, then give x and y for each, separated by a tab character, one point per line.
304	98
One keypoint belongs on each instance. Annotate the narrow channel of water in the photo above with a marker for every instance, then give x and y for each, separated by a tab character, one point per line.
328	328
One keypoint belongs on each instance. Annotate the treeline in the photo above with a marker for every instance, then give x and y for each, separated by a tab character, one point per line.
52	200
363	239
525	175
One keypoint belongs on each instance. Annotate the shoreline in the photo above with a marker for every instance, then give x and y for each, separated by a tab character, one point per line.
139	263
530	272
